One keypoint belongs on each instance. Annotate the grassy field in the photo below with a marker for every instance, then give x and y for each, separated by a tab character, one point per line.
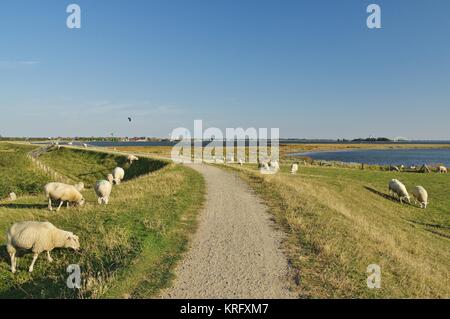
17	172
129	247
338	221
89	166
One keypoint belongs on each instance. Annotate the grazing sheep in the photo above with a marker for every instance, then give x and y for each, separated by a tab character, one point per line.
118	174
103	189
85	145
396	187
12	196
63	193
37	237
442	169
394	169
420	195
131	158
294	168
241	162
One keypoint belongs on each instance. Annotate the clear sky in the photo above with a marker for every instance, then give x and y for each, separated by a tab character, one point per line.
311	68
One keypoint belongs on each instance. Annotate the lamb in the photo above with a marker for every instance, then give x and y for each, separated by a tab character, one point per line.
37	237
131	158
12	196
294	168
103	189
442	169
63	193
118	174
396	187
420	195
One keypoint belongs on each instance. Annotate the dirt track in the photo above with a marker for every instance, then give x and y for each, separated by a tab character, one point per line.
235	251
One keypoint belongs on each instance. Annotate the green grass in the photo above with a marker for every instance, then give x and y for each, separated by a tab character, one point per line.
129	247
89	166
338	221
17	172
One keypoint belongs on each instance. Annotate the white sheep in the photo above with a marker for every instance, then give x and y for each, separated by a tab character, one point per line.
420	195
103	189
85	145
37	237
442	169
63	193
12	196
131	158
294	168
118	174
241	162
396	187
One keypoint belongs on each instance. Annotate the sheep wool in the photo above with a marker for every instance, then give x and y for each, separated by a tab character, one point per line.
118	174
37	237
420	195
103	189
396	187
63	193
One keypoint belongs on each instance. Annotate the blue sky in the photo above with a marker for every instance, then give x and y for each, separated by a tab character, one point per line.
311	68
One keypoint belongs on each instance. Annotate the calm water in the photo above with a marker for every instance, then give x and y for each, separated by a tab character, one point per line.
406	157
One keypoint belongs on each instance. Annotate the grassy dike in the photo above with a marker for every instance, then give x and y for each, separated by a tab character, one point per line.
129	247
338	221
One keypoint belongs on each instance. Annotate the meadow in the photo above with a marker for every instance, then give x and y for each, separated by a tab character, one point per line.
17	173
340	220
129	248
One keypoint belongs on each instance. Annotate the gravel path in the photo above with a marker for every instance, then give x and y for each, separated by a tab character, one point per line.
235	251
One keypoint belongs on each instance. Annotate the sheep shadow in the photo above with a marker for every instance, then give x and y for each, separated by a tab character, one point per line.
23	206
427	224
385	196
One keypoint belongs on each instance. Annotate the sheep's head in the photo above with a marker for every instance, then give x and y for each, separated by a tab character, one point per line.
72	241
81	202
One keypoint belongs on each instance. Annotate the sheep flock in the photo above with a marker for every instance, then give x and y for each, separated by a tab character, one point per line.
39	237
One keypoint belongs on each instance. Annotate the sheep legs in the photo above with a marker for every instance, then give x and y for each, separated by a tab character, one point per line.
13	261
35	256
49	258
59	207
50	204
